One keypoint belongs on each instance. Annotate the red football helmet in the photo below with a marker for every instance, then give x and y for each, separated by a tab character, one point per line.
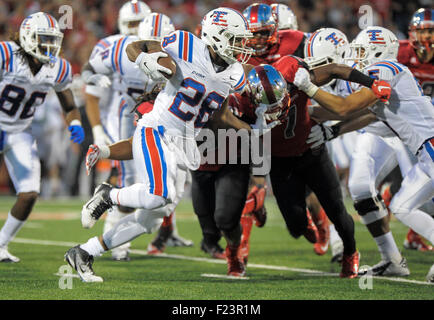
263	24
421	30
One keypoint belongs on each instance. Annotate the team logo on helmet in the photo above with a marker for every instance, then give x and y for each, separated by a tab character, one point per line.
218	18
333	38
375	36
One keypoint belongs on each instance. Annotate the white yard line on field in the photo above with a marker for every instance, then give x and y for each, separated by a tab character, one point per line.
215	261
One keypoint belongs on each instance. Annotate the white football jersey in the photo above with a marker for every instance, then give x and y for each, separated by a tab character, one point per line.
113	61
21	91
410	114
196	90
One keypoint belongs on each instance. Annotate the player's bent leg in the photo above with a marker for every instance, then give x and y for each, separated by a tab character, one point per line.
115	214
417	188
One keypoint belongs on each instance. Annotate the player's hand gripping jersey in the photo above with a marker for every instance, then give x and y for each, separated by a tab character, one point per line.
21	91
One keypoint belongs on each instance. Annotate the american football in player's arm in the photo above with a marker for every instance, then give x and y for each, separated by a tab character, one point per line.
151	58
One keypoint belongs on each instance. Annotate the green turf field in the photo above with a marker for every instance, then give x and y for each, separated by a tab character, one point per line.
280	267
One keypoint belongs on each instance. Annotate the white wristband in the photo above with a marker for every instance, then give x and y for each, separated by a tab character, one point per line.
75	122
311	90
104	152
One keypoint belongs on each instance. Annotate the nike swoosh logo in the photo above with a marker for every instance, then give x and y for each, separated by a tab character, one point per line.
380	87
232	78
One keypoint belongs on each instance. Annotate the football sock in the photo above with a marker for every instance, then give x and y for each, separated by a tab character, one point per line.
10	229
136	196
387	247
334	236
93	247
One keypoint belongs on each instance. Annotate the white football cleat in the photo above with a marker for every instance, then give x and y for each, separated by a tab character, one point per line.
175	240
337	251
81	261
122	253
96	206
5	256
388	268
430	275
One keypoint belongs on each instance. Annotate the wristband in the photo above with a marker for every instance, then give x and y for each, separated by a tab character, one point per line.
104	152
359	77
75	122
311	90
336	128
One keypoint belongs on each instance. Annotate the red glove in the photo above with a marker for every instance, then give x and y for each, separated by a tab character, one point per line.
255	204
382	90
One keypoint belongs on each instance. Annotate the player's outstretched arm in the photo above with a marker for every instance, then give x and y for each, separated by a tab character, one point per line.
321	133
72	115
121	150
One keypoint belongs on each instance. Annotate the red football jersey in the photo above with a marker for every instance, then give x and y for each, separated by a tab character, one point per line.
289	138
289	41
424	72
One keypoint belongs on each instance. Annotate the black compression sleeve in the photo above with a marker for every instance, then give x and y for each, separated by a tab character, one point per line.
358	77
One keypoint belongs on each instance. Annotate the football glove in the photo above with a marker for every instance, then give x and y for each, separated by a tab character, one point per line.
148	63
261	127
77	132
302	81
100	138
319	134
255	205
94	153
382	90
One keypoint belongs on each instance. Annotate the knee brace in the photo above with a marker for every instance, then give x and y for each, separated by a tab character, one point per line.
371	209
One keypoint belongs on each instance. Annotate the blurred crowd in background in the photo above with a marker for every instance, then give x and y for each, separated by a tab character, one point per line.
95	19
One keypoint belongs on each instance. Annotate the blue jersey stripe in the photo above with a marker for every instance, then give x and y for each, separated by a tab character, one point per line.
67	72
11	57
429	149
163	162
181	44
190	47
120	55
113	57
148	165
60	70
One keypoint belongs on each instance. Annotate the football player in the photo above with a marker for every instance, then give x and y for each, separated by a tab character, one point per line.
417	54
201	73
328	45
104	104
408	114
293	164
270	45
285	17
30	66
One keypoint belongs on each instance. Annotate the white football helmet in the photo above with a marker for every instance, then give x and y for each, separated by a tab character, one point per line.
130	12
325	45
155	27
226	31
285	16
371	45
40	36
